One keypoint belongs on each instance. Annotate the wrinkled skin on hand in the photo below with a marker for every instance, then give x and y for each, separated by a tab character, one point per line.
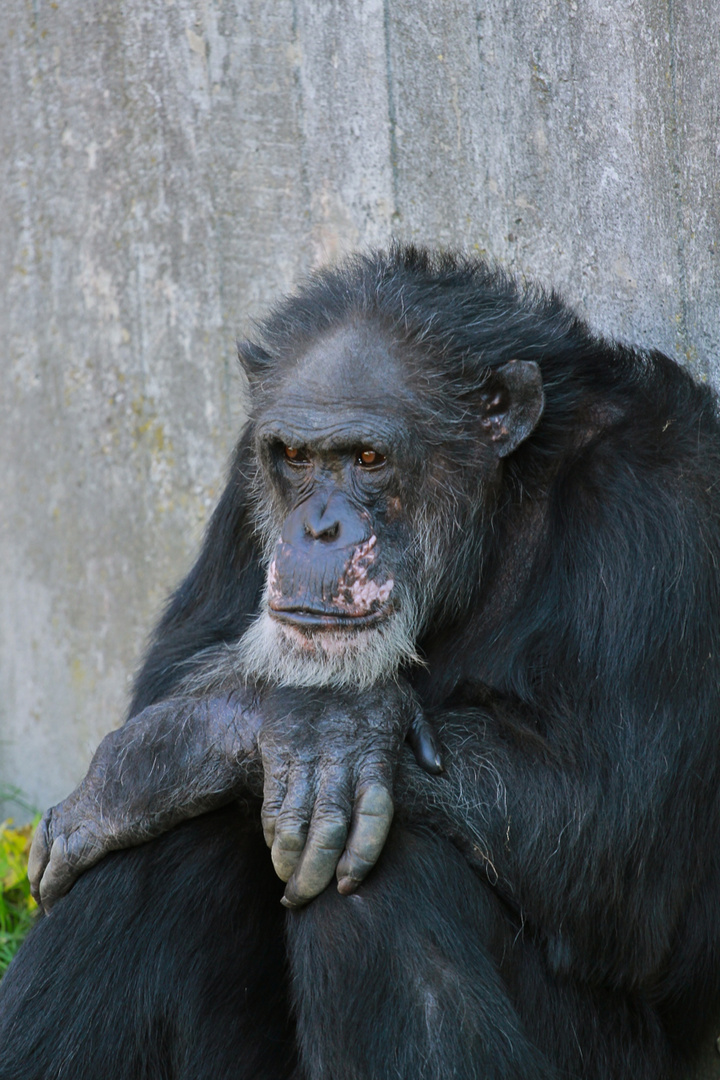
327	759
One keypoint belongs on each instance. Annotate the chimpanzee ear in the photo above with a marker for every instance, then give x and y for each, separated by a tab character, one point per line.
512	404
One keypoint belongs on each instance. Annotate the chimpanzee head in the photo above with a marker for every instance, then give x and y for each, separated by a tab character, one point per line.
379	450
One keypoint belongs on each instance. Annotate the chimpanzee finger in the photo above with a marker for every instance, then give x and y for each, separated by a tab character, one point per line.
39	855
424	743
372	818
324	846
58	875
291	825
274	792
69	858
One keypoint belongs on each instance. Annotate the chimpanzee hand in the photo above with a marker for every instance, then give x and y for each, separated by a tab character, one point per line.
329	759
171	762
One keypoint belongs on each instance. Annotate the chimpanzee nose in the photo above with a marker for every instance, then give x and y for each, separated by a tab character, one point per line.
325	525
332	521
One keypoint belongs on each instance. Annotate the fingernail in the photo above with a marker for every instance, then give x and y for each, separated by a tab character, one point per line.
347	885
288	904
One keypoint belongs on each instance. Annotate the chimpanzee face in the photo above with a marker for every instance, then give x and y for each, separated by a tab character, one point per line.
351	481
334	453
332	456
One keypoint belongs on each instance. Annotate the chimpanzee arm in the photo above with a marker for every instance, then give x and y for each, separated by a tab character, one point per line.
173	761
580	841
589	847
319	758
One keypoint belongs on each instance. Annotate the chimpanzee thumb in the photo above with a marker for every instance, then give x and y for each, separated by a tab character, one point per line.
424	744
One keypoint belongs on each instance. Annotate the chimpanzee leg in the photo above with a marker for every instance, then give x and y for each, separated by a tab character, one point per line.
590	1032
165	962
397	980
407	979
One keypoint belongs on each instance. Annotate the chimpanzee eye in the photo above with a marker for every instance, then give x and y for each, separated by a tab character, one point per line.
296	455
370	459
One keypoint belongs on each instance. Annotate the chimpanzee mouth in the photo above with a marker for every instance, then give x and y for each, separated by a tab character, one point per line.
321	619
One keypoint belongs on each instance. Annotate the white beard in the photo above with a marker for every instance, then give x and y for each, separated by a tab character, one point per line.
271	651
342	657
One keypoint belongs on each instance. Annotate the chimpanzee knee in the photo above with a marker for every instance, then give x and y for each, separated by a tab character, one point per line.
170	954
402	975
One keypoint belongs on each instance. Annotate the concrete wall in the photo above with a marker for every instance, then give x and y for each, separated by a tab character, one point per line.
167	167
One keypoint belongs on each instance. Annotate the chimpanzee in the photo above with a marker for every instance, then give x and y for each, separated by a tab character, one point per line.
456	517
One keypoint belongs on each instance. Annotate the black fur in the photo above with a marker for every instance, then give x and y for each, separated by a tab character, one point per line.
549	907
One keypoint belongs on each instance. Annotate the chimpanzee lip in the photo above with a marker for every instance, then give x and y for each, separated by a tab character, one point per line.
315	618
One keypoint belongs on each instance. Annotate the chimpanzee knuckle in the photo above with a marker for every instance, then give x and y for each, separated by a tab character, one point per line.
329	830
376	772
58	876
274	792
335	790
83	848
290	833
365	850
286	852
51	824
268	819
273	799
275	764
374	799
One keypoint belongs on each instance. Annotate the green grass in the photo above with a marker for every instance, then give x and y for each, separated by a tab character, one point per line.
17	907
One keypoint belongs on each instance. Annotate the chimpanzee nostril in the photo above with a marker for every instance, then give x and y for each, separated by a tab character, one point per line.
327	528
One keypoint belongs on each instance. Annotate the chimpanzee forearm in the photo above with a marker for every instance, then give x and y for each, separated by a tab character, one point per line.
329	775
173	761
330	767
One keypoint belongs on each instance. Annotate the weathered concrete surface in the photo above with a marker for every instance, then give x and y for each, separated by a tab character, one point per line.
166	168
